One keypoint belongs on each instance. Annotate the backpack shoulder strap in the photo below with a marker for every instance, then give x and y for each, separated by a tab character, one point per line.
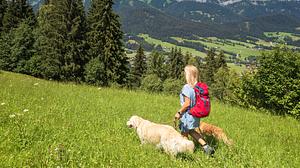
199	87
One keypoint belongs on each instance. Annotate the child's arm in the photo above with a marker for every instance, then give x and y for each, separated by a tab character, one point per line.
184	107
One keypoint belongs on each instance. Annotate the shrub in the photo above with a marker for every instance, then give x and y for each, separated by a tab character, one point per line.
172	86
233	93
93	73
276	85
241	90
152	83
219	88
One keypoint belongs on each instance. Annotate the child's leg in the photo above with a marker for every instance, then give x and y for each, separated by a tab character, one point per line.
198	137
184	131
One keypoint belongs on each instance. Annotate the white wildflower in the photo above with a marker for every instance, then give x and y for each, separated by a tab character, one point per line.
36	84
56	149
12	116
25	110
99	88
2	104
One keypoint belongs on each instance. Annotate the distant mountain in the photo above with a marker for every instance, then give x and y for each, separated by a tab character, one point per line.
221	18
138	17
236	18
202	12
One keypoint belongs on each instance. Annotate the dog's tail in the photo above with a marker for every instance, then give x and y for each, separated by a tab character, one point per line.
226	140
218	133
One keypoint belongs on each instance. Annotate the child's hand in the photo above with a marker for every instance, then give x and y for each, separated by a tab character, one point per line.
177	116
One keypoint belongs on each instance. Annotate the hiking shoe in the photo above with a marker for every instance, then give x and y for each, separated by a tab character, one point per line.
208	150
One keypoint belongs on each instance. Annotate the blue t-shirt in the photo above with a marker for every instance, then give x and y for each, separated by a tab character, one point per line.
187	121
189	92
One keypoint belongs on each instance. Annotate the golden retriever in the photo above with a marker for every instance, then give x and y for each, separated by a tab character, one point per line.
163	136
212	130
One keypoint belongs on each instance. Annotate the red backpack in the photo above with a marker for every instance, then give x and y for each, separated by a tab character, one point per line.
202	106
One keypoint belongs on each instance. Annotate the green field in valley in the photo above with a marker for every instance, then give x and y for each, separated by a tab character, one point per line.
167	46
52	124
237	68
282	35
241	48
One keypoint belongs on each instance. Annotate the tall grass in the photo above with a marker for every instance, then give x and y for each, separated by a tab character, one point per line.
50	124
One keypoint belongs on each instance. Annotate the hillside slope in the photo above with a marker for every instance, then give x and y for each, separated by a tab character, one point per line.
51	124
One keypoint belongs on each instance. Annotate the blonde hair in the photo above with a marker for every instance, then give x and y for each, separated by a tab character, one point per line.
191	75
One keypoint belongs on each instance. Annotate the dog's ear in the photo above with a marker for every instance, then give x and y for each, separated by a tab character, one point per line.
134	122
129	124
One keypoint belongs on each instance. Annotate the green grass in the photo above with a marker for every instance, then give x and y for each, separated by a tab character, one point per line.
71	125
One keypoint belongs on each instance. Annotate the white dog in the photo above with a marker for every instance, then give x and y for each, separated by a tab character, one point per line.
163	136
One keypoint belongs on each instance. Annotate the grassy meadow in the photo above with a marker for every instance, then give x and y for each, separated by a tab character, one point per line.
51	124
281	35
167	46
243	50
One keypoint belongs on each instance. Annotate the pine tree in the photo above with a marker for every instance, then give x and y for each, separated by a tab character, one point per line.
170	57
221	61
139	65
95	29
5	59
3	6
16	44
48	57
17	12
72	17
156	65
201	66
22	48
105	40
25	12
188	59
210	67
177	64
10	18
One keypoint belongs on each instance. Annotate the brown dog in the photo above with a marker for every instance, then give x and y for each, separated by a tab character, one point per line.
212	130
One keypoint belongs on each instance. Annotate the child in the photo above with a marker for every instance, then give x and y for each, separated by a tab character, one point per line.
188	123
